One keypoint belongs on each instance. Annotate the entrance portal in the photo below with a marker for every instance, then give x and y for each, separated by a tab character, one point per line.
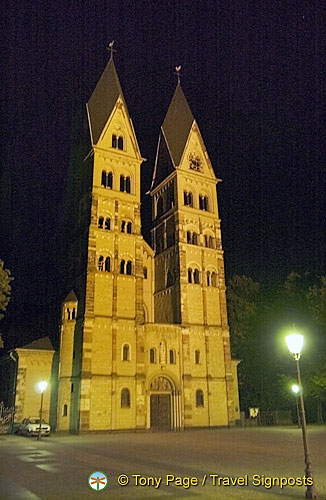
160	404
160	412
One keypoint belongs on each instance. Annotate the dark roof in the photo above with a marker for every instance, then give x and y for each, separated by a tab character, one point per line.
177	125
43	344
163	163
102	101
71	297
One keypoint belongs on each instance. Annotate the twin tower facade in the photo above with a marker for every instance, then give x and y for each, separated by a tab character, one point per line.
144	335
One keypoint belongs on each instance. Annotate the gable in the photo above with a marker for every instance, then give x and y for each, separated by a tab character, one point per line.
195	158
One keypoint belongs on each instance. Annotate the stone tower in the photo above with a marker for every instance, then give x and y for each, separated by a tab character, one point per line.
186	234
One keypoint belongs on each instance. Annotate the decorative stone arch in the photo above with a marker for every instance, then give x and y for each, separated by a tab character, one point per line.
164	403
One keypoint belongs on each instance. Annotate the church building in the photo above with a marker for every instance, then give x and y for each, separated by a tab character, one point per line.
144	334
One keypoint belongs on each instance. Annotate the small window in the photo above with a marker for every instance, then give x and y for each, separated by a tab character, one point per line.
129	228
194	239
65	410
129	267
122	267
103	178
73	314
188	237
108	264
199	398
107	224
122	183
203	202
197	357
72	387
109	180
123	226
100	222
189	275
152	355
145	272
196	277
172	356
120	143
208	278
187	199
114	141
125	398
125	352
214	279
127	184
101	263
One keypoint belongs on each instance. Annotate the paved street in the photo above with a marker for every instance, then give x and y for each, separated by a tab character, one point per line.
58	467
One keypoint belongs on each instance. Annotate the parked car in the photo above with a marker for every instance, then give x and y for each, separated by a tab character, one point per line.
31	426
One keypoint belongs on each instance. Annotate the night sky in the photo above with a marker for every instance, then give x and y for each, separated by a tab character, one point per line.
253	75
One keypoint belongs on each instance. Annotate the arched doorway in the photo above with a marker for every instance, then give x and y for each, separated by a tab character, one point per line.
160	404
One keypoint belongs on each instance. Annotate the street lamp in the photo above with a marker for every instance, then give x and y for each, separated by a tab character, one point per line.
41	387
296	389
294	341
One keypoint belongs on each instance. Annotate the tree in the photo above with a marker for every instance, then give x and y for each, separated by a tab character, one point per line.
5	290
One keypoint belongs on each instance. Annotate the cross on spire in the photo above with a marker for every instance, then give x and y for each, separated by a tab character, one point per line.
111	49
178	69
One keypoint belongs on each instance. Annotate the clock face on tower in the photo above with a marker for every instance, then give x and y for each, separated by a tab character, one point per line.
194	162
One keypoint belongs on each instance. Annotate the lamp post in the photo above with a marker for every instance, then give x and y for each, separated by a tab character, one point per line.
41	386
296	389
295	343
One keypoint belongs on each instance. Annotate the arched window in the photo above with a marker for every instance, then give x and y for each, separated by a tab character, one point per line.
194	239
208	278
65	411
120	142
159	206
125	352
101	263
73	314
189	275
109	180
108	224
125	398
108	264
129	227
172	356
114	141
127	184
123	226
214	279
100	222
188	237
103	178
203	202
145	272
199	398
122	267
188	198
197	357
152	355
196	277
129	267
122	183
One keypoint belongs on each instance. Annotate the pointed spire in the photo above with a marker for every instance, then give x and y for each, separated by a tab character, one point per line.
103	98
177	123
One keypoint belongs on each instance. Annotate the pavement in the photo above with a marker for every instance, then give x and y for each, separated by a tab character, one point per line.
240	463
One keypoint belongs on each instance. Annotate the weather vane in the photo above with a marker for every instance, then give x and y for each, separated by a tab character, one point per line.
178	69
111	49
